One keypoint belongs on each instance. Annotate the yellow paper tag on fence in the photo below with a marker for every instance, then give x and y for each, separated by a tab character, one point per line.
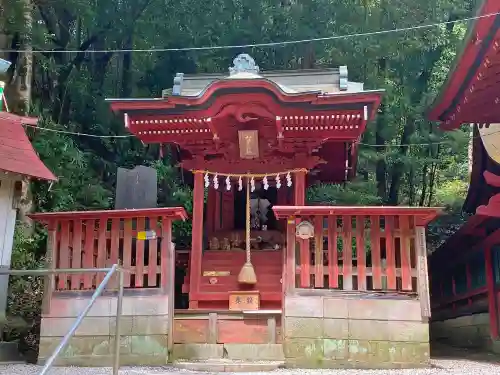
147	235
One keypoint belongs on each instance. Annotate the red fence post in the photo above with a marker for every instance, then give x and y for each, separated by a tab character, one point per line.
390	253
375	248
360	252
347	252
490	282
333	267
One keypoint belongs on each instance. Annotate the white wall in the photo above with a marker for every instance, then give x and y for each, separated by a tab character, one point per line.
7	223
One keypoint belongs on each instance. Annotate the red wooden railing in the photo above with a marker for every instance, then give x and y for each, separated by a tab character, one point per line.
356	248
99	239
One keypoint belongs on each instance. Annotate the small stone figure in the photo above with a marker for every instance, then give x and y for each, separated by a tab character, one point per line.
214	244
226	244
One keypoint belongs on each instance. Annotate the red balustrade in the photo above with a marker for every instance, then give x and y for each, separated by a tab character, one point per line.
99	239
356	248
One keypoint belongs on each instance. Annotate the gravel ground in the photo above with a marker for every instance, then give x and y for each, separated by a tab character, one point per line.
440	367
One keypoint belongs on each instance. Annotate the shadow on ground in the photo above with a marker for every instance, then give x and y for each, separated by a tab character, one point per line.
444	351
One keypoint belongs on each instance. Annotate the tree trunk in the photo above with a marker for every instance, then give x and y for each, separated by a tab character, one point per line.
18	93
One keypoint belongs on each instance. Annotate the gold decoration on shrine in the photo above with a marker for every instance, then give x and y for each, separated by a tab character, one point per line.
216	273
304	230
249	144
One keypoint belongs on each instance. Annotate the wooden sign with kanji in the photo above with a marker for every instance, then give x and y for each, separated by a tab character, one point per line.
244	300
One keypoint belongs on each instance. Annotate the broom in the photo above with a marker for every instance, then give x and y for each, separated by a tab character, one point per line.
247	274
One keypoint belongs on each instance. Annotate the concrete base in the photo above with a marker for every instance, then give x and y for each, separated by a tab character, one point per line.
227	365
9	353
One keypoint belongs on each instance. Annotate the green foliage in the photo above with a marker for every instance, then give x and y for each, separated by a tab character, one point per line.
22	321
353	193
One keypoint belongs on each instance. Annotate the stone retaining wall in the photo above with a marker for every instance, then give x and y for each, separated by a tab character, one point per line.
353	332
471	331
144	329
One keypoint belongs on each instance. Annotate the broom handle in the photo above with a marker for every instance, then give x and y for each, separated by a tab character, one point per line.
248	222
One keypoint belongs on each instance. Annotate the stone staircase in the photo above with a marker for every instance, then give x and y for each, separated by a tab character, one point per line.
228	365
228	357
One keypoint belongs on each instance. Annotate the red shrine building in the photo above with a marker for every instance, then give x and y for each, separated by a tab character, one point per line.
265	276
465	270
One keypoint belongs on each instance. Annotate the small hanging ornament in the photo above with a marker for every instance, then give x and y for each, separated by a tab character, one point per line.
228	183
216	182
252	185
288	179
266	184
278	181
207	180
240	184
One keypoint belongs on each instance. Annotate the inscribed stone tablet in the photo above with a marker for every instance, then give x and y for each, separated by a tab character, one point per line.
136	188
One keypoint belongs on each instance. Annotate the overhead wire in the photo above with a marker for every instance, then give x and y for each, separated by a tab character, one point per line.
261	45
67	132
255	45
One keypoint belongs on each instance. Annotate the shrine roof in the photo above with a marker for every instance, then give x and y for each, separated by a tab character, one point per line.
317	81
298	84
471	93
16	152
307	119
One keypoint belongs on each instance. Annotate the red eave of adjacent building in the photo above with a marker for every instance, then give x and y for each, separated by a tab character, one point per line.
16	152
471	93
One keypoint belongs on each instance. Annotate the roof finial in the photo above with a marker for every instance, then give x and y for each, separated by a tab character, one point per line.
243	63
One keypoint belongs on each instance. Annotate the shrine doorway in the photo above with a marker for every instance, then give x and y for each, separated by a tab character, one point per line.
261	203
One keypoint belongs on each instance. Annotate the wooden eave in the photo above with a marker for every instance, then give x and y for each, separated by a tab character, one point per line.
471	93
169	120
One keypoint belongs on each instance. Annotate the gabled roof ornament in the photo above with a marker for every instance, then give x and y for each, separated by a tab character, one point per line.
243	63
343	77
176	89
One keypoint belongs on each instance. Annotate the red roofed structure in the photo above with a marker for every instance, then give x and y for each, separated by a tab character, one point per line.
263	270
465	270
16	152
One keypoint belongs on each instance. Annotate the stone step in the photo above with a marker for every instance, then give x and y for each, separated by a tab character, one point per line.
227	365
9	353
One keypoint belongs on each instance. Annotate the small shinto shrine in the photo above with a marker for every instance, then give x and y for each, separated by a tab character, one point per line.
265	275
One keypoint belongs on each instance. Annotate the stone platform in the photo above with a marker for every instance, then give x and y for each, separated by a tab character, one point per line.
228	365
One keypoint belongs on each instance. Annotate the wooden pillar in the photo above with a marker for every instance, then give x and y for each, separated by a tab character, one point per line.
423	275
300	188
288	278
282	200
490	283
228	209
218	210
50	263
210	216
197	241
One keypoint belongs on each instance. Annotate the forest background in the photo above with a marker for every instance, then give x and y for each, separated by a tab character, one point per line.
403	158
